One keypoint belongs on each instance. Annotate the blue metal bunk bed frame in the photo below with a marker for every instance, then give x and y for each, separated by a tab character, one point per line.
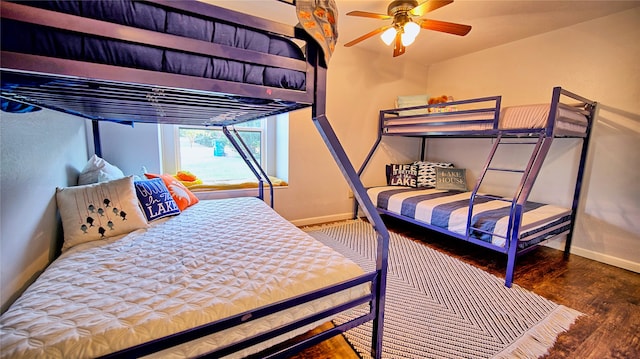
102	92
540	138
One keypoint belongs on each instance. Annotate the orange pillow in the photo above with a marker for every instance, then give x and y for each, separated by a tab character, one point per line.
186	176
183	197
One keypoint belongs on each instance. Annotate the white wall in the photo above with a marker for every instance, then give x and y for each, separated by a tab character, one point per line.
600	60
38	152
359	85
131	147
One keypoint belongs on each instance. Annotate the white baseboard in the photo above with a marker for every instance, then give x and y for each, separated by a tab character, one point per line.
604	258
322	219
596	256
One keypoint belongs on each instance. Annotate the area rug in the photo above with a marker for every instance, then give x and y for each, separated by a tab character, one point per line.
440	307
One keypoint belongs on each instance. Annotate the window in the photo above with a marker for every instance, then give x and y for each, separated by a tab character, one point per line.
207	153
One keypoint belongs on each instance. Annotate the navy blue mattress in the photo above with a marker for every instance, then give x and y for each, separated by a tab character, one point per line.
26	38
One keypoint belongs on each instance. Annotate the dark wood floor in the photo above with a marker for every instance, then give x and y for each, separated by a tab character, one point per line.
609	296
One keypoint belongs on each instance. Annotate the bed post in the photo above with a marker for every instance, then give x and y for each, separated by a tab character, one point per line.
97	146
337	151
368	158
591	107
512	242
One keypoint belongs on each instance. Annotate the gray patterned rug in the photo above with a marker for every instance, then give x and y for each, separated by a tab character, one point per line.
439	307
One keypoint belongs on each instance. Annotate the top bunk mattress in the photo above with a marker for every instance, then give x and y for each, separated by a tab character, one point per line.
153	61
537	117
215	259
40	40
566	115
524	117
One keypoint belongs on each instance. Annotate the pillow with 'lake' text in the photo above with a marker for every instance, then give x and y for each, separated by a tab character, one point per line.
155	199
181	194
451	179
402	175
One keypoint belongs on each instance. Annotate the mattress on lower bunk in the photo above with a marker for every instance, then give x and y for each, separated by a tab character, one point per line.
449	210
216	259
512	117
32	39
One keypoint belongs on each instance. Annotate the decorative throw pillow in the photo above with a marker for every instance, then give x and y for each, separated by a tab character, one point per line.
411	101
181	194
98	211
155	199
427	172
98	170
402	175
451	179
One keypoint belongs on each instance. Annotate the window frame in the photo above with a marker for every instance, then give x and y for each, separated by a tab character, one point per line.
170	145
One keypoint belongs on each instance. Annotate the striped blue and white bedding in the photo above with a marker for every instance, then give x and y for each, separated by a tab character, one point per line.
449	210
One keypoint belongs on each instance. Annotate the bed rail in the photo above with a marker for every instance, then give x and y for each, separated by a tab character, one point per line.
478	117
248	316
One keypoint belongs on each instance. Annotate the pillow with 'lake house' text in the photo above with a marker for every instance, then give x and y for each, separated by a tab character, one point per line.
451	179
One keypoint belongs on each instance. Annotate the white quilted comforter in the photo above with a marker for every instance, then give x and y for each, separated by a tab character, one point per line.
215	259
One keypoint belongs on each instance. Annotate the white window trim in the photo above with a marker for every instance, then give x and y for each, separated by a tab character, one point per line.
274	151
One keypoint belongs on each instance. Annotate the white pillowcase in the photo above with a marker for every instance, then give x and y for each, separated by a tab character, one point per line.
98	170
98	211
411	101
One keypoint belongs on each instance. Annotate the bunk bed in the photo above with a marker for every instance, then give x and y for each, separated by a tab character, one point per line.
512	225
182	62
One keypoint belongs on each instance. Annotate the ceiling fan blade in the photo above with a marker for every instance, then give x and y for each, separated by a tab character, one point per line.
443	26
368	35
369	14
428	6
398	47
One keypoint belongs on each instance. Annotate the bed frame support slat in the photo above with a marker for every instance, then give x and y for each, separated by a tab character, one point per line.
238	143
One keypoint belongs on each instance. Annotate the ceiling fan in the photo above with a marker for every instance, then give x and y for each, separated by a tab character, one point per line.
406	23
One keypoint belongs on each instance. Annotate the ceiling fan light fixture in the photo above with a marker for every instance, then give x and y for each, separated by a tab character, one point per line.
407	39
404	27
411	29
389	35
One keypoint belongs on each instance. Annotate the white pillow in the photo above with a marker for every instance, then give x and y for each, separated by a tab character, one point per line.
98	170
427	172
98	211
411	101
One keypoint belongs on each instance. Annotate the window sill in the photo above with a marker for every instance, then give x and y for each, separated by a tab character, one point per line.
231	193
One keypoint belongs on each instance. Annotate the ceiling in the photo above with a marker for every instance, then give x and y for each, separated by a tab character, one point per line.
494	22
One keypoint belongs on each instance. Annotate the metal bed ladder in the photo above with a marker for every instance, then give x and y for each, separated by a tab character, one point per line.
541	144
